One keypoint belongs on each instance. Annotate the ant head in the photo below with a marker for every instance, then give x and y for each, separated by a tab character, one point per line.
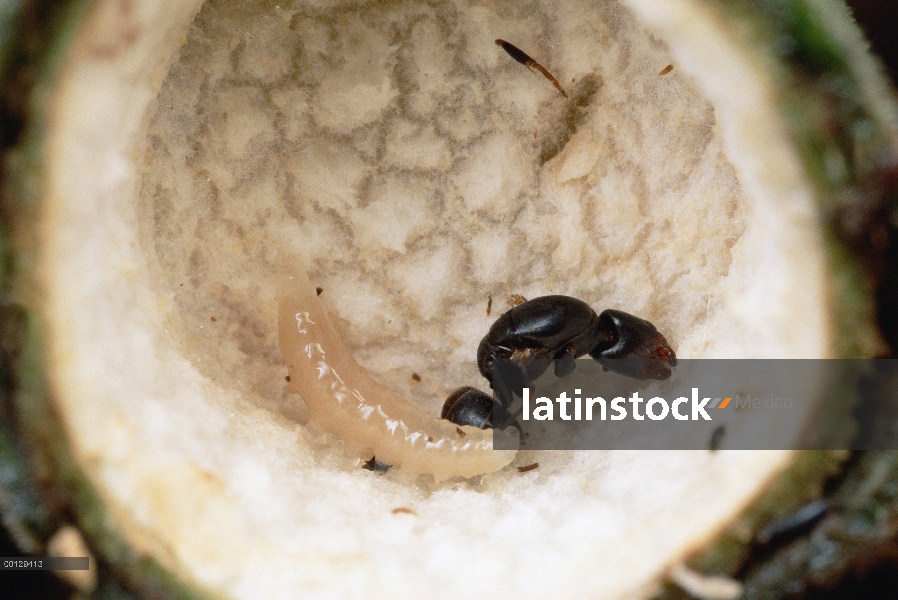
634	348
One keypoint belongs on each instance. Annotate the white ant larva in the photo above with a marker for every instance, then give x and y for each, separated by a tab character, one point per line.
346	401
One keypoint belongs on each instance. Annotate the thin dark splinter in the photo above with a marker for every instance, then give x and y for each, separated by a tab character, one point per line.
522	57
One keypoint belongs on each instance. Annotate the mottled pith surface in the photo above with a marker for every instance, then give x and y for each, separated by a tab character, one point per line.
414	169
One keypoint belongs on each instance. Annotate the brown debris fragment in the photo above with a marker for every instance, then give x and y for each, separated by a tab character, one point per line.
318	290
665	70
528	468
416	377
516	300
404	511
522	57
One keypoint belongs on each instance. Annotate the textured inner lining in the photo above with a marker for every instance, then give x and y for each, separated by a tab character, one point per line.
417	171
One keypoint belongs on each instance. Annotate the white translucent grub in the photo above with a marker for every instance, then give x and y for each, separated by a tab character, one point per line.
346	401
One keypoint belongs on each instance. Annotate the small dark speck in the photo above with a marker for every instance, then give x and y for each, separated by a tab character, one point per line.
376	467
288	379
213	319
404	511
489	305
430	438
460	432
318	290
665	70
416	377
528	468
717	437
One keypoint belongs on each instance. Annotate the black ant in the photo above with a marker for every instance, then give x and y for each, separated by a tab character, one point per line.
563	329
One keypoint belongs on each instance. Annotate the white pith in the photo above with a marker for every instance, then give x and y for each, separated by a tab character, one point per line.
184	425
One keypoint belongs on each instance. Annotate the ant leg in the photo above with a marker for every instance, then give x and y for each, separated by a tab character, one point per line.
565	363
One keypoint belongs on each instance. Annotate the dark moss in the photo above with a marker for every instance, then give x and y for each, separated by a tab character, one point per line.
43	488
845	149
814	51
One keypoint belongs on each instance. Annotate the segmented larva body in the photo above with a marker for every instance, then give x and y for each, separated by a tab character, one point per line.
346	401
